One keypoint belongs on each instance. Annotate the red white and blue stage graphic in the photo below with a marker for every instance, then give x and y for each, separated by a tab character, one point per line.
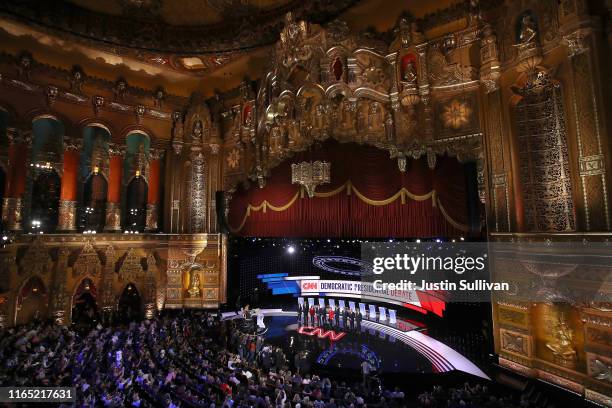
314	286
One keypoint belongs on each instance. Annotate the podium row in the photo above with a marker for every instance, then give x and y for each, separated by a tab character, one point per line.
367	311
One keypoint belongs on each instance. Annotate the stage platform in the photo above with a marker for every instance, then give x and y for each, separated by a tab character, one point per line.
397	348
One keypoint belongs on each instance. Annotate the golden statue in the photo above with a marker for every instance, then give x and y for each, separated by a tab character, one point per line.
563	344
194	284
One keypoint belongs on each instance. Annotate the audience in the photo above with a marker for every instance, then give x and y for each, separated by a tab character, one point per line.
194	361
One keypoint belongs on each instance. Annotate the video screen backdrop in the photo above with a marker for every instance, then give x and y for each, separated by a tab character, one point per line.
259	256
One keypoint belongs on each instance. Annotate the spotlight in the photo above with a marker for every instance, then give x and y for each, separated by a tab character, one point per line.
438	240
5	238
291	249
462	239
418	241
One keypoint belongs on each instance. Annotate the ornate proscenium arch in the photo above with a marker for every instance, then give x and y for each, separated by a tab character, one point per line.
327	83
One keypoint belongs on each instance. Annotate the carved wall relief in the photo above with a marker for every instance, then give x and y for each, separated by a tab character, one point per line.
516	343
87	263
197	197
543	156
131	268
456	115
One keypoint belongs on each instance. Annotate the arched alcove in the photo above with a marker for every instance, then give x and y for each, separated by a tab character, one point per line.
94	153
47	139
45	201
136	205
46	162
32	301
93	173
135	173
93	213
136	154
130	304
84	307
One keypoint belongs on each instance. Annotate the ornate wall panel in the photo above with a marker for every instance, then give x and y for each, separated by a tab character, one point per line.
516	343
197	196
87	263
543	158
155	264
456	116
195	274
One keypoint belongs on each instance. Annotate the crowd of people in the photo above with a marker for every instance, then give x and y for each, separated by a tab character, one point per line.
193	360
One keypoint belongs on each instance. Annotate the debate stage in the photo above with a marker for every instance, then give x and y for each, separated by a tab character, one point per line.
400	348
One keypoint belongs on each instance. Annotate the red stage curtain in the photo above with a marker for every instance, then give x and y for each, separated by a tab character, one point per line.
433	203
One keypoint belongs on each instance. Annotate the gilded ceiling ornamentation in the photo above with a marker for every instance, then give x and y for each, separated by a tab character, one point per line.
292	47
138	26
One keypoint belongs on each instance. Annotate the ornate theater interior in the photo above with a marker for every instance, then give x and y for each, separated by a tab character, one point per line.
191	192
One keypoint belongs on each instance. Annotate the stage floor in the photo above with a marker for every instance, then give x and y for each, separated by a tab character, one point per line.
348	351
400	348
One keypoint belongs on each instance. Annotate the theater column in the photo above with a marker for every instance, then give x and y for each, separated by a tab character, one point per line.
15	180
592	138
496	140
153	195
113	199
68	193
